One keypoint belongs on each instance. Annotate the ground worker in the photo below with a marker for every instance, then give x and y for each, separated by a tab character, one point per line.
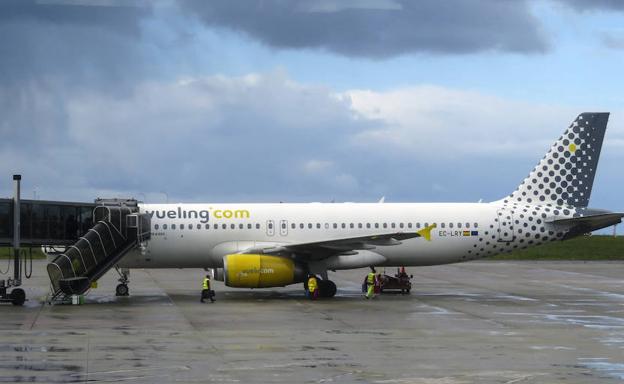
312	287
207	292
370	284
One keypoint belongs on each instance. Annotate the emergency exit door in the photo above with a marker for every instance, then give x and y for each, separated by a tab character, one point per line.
270	228
283	227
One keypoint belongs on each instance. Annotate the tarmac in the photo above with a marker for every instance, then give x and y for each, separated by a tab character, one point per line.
479	322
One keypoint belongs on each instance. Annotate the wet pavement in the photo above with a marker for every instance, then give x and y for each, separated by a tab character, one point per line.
480	322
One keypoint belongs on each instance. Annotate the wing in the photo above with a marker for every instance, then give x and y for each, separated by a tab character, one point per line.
344	246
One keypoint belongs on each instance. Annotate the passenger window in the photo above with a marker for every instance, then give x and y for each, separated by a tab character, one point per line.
172	226
283	226
249	226
351	225
467	225
426	224
164	226
257	225
270	225
293	225
417	225
301	226
476	225
335	225
450	225
376	225
368	225
401	225
393	225
326	225
224	226
198	226
385	225
232	226
156	226
360	225
443	225
318	225
181	226
190	226
409	225
309	225
240	226
344	225
207	226
458	225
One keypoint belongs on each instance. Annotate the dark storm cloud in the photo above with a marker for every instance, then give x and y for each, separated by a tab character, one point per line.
595	4
67	41
380	29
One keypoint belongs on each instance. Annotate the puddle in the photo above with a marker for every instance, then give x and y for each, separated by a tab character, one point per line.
604	367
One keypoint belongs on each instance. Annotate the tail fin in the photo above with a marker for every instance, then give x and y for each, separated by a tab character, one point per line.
566	174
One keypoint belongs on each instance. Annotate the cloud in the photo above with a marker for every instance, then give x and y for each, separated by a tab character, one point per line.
585	5
380	29
613	40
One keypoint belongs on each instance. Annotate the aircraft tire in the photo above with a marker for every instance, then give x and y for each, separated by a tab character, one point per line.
122	290
18	296
327	288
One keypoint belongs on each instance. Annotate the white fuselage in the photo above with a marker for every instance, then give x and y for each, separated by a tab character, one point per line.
200	235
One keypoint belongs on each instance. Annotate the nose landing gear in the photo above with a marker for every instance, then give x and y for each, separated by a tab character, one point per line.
122	289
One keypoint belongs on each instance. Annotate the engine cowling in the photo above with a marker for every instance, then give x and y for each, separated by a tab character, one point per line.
260	271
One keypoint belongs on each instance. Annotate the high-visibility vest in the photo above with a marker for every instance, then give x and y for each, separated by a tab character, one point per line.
206	284
371	278
312	284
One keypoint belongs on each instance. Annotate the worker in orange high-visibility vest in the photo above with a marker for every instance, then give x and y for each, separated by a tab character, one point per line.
313	291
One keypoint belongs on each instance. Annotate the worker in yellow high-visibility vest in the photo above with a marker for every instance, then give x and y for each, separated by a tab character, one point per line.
370	284
313	291
207	292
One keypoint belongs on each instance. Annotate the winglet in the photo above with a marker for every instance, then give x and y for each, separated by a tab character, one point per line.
382	200
426	232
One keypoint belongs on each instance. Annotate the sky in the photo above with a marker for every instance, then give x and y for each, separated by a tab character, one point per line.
302	100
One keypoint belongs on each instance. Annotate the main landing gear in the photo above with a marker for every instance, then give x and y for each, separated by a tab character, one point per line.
122	288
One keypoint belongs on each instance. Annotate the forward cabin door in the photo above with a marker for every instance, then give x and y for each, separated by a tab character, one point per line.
505	225
283	227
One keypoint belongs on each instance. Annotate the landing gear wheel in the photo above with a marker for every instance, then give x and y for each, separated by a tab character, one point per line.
327	288
122	290
18	296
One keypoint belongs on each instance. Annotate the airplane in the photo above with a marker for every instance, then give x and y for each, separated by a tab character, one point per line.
274	245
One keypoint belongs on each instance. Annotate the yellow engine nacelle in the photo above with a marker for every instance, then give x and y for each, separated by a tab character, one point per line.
260	271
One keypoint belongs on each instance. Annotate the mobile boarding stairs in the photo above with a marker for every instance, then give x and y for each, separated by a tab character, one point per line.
119	228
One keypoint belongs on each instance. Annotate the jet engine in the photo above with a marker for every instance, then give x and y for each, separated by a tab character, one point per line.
260	271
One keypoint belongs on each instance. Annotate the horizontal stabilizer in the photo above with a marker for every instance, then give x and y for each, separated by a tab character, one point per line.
589	223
